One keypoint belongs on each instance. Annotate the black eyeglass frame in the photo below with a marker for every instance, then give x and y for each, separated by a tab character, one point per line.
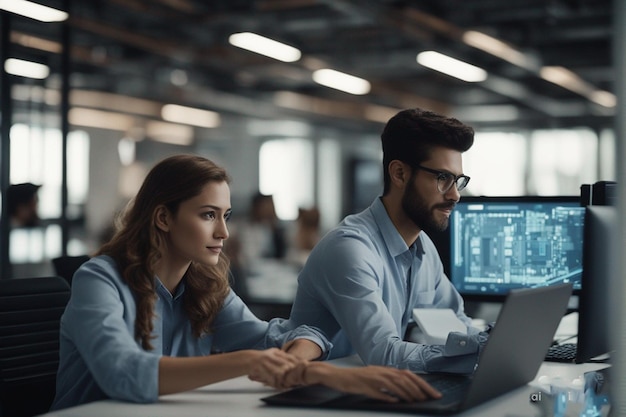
442	178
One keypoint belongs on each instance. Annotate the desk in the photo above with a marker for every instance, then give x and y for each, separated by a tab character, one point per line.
241	397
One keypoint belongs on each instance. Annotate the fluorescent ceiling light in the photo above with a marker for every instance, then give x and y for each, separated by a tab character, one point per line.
27	69
35	42
380	114
265	46
451	66
171	133
565	78
603	98
190	116
33	10
116	102
341	81
100	119
497	48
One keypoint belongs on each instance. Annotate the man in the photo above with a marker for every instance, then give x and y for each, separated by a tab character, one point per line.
364	278
22	204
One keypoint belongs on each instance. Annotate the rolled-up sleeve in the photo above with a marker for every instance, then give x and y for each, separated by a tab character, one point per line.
459	354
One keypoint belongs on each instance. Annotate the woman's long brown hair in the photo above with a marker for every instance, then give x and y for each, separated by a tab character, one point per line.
136	244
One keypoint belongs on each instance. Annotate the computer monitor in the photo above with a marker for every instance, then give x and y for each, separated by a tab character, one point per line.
500	243
601	223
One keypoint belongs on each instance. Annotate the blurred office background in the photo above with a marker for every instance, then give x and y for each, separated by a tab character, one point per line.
126	83
94	95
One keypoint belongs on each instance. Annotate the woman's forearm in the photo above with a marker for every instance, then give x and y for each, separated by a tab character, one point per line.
181	374
269	366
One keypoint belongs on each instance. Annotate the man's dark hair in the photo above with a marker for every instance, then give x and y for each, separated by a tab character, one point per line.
18	194
411	134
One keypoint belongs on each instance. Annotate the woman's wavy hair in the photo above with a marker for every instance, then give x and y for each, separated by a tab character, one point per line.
137	243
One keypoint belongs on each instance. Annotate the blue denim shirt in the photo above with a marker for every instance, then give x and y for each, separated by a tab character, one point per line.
100	358
360	285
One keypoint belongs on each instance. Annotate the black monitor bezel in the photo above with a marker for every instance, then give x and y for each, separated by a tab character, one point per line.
598	274
444	242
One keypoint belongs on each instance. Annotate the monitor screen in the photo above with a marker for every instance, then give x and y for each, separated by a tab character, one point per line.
500	243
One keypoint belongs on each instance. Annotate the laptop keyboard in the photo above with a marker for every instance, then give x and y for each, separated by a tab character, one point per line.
565	352
447	384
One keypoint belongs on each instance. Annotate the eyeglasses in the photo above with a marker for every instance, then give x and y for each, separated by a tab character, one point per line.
446	180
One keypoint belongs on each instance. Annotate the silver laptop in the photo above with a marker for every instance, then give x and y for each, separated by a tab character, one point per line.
511	358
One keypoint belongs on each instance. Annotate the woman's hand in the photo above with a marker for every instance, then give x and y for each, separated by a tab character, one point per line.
380	382
271	366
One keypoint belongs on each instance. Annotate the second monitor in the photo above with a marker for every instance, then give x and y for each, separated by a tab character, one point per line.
500	243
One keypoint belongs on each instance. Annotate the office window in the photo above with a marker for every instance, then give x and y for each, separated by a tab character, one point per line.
329	195
562	160
36	156
286	171
496	164
607	152
77	167
544	162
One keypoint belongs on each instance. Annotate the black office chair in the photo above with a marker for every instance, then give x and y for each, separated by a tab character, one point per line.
65	266
30	312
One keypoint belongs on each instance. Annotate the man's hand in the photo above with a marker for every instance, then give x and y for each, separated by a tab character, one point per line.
271	366
380	382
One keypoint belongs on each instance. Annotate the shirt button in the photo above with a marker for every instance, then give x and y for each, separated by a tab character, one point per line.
462	343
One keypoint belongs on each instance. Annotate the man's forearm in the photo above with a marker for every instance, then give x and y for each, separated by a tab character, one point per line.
303	349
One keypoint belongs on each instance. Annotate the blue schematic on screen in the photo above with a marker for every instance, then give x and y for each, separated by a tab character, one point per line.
500	244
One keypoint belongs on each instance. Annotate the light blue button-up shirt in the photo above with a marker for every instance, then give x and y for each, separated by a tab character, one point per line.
100	358
360	285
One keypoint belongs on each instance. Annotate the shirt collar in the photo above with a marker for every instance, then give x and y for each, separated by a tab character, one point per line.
161	289
391	236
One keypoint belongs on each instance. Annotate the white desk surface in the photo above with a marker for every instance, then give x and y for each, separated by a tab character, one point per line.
240	397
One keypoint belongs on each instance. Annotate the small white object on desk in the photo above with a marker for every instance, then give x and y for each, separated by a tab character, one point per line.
436	323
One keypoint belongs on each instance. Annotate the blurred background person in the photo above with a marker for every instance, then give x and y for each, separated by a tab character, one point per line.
264	232
305	236
258	243
259	236
23	204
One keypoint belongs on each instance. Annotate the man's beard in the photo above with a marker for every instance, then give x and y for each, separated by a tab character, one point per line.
422	215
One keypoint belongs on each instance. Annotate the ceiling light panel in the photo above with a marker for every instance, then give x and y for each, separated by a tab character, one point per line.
451	66
265	46
33	10
341	81
27	69
190	116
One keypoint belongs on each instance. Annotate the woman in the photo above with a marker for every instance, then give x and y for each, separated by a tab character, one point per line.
147	312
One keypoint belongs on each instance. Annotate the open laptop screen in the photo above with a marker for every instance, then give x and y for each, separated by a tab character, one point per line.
500	243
